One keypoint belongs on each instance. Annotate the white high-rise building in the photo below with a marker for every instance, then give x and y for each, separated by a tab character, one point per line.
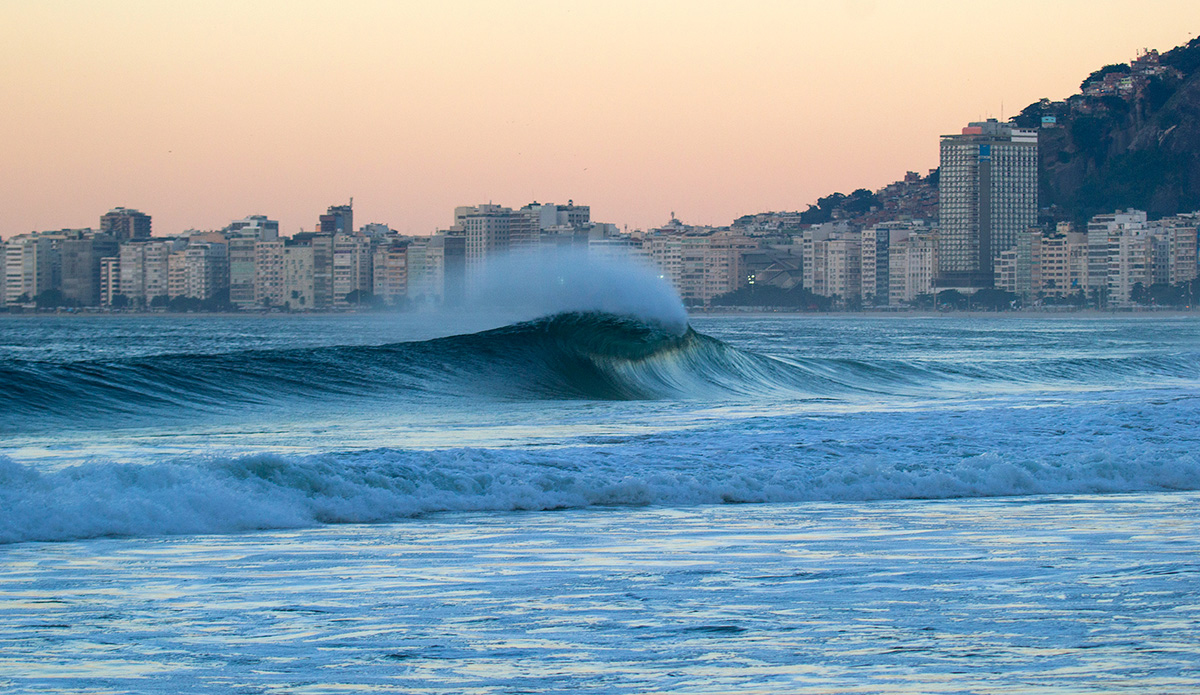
832	262
31	263
1101	229
144	270
912	265
351	266
243	261
701	264
299	277
876	250
254	227
268	273
1130	263
1178	239
488	229
390	274
988	191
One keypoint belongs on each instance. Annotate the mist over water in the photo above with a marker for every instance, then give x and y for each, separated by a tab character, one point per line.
543	282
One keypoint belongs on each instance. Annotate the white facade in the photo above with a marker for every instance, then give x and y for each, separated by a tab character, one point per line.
1101	229
243	262
912	266
391	274
1130	264
700	265
488	229
144	270
206	270
298	278
832	262
426	267
29	266
110	279
256	227
268	273
351	266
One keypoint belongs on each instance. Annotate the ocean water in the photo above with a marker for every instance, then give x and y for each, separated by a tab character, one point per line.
606	502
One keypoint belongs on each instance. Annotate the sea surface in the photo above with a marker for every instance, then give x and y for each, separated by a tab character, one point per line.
599	501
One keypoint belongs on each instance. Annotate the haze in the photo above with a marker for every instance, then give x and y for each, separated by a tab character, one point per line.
202	112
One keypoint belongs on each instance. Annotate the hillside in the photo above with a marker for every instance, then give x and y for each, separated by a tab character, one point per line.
1130	138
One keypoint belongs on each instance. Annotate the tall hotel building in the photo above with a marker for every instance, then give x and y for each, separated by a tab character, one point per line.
988	189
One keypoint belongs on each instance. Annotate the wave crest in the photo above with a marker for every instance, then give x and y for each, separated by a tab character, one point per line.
265	491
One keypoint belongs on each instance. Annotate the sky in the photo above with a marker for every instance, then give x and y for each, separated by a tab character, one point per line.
199	113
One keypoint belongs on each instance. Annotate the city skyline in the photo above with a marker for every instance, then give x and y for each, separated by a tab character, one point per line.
706	111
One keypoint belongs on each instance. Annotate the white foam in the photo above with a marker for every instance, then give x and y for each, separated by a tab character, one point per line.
224	495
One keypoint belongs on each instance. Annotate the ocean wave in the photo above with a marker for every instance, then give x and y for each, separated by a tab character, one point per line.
868	457
593	356
581	355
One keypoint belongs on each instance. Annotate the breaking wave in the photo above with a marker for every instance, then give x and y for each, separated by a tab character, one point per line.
865	456
578	355
566	356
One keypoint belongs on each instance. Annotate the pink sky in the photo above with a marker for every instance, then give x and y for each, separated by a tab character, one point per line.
203	112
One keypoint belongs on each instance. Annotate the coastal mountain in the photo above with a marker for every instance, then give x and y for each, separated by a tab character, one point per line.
1129	138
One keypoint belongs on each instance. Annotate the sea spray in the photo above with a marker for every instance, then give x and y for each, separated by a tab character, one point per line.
542	282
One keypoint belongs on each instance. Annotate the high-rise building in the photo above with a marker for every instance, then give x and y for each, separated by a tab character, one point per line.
199	271
1130	264
254	226
268	273
125	224
338	219
424	268
110	279
32	266
144	269
876	264
700	262
538	224
321	267
1178	237
488	229
988	194
912	264
81	260
243	259
298	277
832	261
1101	229
351	268
390	273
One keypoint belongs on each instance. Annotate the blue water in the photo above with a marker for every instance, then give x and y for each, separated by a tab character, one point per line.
479	504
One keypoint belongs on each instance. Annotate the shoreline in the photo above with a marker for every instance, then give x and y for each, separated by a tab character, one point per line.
692	313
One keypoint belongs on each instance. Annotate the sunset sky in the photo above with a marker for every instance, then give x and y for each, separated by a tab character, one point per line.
203	112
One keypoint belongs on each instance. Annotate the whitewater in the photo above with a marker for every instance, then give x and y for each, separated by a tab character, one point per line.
602	495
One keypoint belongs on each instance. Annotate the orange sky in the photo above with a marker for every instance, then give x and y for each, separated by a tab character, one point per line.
203	112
